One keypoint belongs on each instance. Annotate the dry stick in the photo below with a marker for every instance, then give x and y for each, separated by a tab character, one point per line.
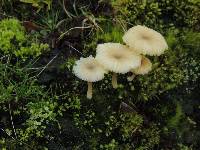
83	24
74	48
94	22
43	68
114	80
7	133
74	6
121	24
14	138
37	68
63	34
68	13
89	91
11	119
48	64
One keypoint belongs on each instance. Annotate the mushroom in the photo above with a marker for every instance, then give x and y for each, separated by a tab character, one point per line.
145	41
146	67
88	69
117	58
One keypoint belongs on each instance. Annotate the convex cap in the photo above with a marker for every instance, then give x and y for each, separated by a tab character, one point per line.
145	41
117	58
88	69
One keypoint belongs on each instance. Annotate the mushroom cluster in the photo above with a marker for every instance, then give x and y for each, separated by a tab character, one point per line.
120	59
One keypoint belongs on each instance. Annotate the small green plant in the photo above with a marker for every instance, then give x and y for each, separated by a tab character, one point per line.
175	120
150	139
39	3
138	12
110	146
50	21
159	14
14	40
131	123
13	90
110	33
12	34
41	114
22	97
68	64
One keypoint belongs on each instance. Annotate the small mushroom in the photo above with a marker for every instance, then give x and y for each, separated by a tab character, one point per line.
146	67
117	58
88	69
145	41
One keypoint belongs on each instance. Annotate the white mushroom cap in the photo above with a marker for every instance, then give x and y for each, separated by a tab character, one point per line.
88	69
145	67
145	40
117	58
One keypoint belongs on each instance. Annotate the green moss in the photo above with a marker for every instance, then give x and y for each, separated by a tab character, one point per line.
68	65
26	101
14	40
138	12
130	123
166	75
150	138
159	14
175	120
33	50
40	114
110	146
12	34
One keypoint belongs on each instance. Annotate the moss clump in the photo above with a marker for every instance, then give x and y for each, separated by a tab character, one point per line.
138	12
131	123
15	41
38	3
159	14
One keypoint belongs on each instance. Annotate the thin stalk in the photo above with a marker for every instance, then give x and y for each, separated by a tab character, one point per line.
114	80
89	91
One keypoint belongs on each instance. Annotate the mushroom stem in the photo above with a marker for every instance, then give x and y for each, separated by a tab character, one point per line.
114	80
89	91
130	78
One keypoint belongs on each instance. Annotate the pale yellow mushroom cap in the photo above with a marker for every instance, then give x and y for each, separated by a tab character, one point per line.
145	41
117	58
145	67
88	69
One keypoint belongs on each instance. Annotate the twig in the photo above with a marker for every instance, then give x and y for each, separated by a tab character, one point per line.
48	64
36	68
74	48
11	118
67	12
74	6
121	24
63	34
7	133
14	138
